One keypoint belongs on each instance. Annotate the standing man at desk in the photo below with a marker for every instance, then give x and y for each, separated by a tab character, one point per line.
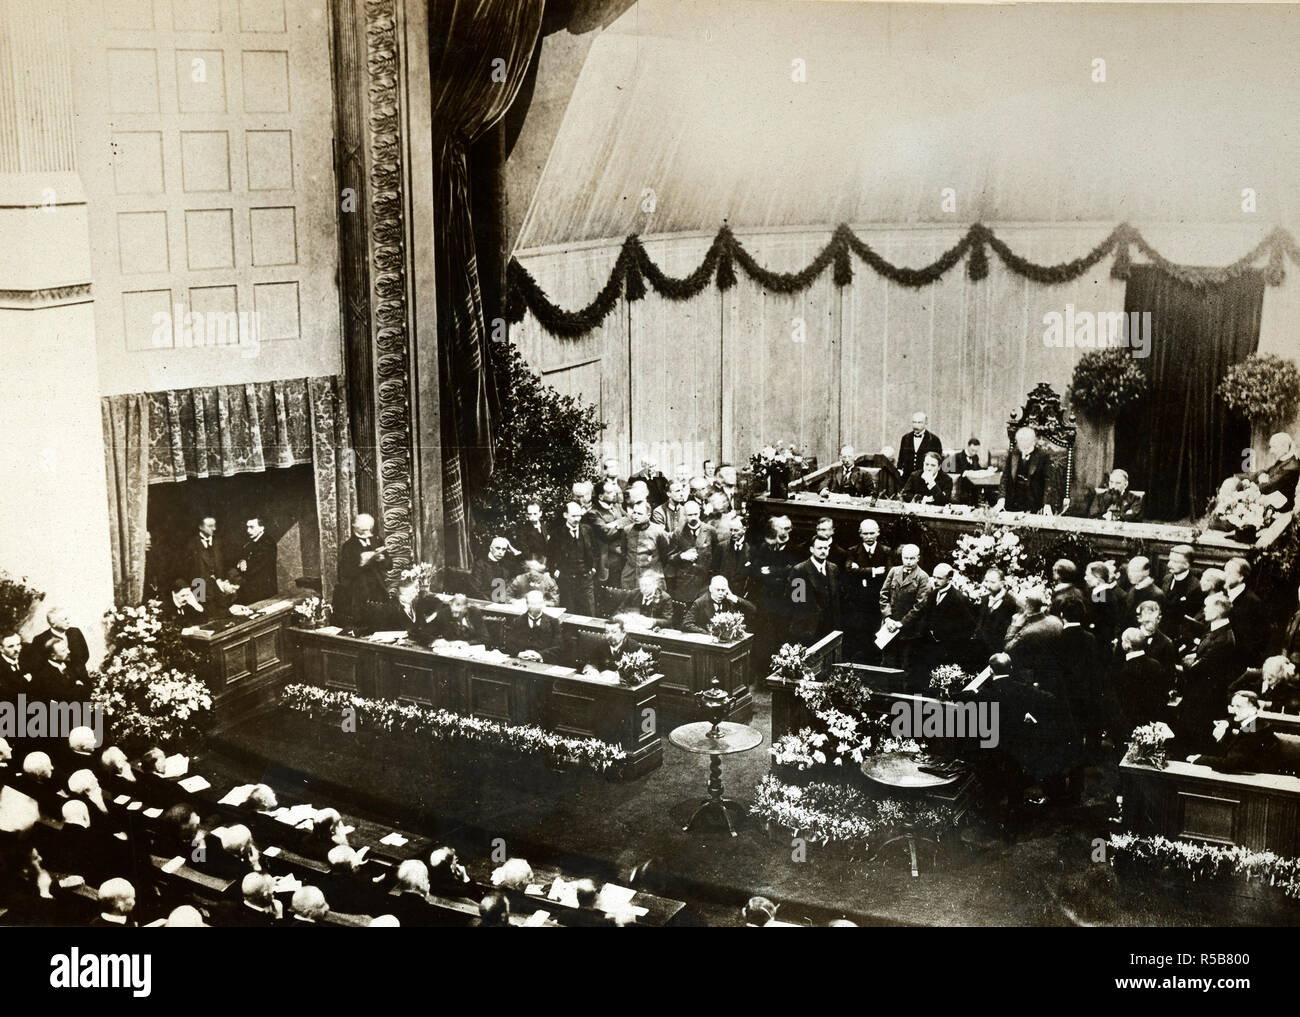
815	594
205	566
257	565
913	446
865	565
572	558
362	564
903	600
534	635
1025	476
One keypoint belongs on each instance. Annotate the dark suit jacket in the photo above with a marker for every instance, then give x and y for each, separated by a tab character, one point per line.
817	612
469	628
961	462
737	566
1250	624
702	610
1126	507
660	607
361	588
1240	751
1067	592
35	654
859	587
916	490
949	622
1141	689
571	558
392	617
656	484
1080	666
1283	478
1183	600
1291	639
489	579
1205	684
693	576
910	459
1024	481
855	481
1036	651
991	624
259	580
207	564
544	638
532	542
603	659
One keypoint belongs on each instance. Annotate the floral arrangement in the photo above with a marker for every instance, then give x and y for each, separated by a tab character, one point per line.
16	601
776	463
976	553
1208	861
1106	382
839	813
147	703
1263	388
312	612
1147	744
947	677
727	626
127	627
790	663
422	572
520	740
636	667
1239	506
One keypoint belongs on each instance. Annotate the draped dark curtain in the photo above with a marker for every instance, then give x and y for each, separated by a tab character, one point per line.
1180	442
479	53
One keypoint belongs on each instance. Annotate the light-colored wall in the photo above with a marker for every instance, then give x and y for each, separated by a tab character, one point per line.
204	133
722	374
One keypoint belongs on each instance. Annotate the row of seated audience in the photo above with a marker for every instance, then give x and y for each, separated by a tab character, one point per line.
88	838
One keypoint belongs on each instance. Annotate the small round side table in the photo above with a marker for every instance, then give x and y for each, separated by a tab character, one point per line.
715	741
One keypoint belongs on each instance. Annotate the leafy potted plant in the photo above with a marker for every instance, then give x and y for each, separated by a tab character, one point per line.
16	601
1104	384
1265	390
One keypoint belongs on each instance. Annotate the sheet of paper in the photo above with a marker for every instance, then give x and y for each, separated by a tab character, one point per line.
71	882
329	630
885	636
537	918
121	799
175	766
237	795
287	884
153	813
173	865
979	680
271	852
134	806
393	840
613	897
563	893
387	637
195	784
535	890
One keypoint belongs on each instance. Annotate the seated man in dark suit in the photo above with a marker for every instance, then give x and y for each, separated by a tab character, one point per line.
117	901
650	600
929	485
1284	473
182	608
348	885
490	577
1245	744
964	492
459	621
1025	476
716	600
410	610
605	655
587	914
1117	503
534	577
59	628
534	635
1275	684
847	477
257	907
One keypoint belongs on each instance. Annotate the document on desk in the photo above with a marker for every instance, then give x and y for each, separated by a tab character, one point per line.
885	636
153	813
195	784
393	840
386	637
563	893
237	795
537	918
173	865
175	766
612	897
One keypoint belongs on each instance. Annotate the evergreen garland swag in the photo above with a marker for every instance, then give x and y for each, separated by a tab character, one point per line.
633	270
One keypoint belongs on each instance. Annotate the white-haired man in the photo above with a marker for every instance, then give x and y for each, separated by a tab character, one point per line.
1283	474
846	477
59	630
257	907
363	563
117	901
718	598
1026	476
653	478
308	907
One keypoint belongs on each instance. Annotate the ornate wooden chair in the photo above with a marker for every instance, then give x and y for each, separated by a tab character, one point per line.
1057	431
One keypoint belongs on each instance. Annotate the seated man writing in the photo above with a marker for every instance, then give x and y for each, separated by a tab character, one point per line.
460	622
1244	744
605	656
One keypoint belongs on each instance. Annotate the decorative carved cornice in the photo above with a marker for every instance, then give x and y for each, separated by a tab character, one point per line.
389	286
52	296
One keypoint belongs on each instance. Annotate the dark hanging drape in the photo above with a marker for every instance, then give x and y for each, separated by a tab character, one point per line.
1180	442
479	52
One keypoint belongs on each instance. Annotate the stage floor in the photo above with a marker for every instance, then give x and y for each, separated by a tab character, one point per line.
592	826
